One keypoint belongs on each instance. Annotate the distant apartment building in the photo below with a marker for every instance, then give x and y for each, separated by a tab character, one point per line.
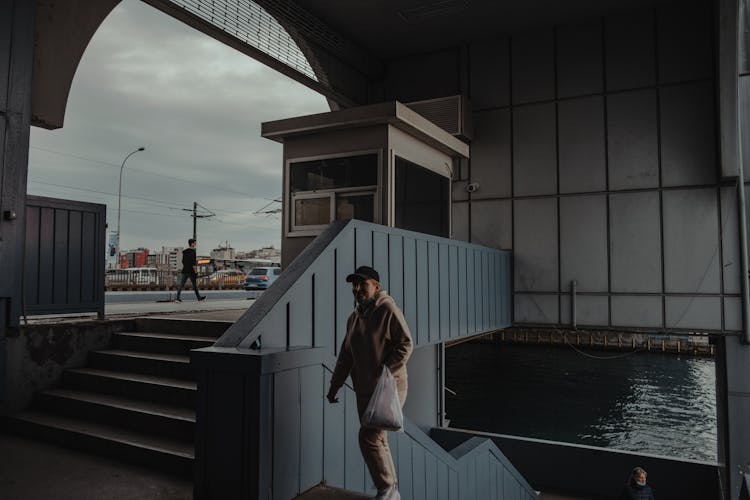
134	258
223	253
266	253
169	259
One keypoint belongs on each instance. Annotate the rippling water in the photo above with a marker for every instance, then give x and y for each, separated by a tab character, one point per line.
647	402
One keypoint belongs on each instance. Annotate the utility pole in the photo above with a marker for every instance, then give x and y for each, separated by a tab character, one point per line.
195	215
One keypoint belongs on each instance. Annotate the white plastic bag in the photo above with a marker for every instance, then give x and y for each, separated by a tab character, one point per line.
384	409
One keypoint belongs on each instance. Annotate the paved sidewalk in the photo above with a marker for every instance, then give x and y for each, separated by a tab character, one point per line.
32	470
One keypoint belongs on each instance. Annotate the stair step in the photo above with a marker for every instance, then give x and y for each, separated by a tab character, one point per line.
135	414
167	343
145	449
147	363
330	493
132	385
199	327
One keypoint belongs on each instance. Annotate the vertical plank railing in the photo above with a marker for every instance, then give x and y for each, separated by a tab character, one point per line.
447	289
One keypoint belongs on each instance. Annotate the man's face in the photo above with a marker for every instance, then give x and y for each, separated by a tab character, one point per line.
364	289
195	243
640	478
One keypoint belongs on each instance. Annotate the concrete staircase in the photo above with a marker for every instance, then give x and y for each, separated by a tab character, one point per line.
134	401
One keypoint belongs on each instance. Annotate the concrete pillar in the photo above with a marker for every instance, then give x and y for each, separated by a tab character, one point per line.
16	63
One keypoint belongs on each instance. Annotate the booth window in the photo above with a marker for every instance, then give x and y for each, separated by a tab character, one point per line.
330	189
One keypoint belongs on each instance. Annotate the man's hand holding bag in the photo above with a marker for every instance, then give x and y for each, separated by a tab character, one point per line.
384	409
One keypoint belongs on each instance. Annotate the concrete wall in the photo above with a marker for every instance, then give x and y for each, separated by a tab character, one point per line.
595	151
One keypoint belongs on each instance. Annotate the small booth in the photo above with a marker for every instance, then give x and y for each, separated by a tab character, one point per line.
382	163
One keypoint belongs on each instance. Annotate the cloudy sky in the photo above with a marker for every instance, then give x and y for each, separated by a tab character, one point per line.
196	105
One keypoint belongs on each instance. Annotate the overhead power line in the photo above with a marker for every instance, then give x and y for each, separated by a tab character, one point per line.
135	169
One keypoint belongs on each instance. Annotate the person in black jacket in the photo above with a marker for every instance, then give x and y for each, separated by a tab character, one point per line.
189	270
636	487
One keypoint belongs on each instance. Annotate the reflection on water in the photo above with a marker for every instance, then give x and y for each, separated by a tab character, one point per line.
648	402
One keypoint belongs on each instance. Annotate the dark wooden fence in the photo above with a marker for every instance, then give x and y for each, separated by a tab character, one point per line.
64	256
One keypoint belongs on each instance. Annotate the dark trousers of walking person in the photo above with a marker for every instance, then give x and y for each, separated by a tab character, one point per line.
183	279
373	443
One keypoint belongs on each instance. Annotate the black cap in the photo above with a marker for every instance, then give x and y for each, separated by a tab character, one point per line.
363	273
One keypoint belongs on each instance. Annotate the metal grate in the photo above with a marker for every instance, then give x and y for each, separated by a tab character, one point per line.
249	22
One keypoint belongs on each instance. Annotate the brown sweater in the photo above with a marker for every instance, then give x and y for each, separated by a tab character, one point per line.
376	335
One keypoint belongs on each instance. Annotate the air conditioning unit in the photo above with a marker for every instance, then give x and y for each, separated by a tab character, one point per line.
452	114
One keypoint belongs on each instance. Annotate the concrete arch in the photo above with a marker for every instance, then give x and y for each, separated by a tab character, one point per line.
62	31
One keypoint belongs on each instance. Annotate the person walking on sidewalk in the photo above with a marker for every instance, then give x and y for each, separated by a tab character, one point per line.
376	335
189	270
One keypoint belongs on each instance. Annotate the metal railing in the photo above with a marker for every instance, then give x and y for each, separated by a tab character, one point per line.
263	429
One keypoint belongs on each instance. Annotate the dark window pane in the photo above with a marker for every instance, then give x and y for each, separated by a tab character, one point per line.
312	211
422	201
333	173
358	206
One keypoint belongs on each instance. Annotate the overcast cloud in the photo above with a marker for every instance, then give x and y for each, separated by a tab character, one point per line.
196	105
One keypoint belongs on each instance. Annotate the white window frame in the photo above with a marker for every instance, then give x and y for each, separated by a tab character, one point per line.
292	230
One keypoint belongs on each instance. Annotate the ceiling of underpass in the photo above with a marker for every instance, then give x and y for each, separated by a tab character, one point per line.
393	28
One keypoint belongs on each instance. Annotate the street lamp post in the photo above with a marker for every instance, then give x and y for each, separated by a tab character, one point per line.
119	202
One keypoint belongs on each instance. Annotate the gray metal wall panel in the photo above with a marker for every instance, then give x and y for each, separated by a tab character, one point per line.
442	484
533	67
431	477
590	310
688	145
691	241
344	299
492	223
273	331
632	140
460	221
418	472
685	41
453	291
629	50
581	145
471	482
730	245
493	492
479	293
31	255
534	308
732	313
535	251
445	281
396	268
89	276
583	243
60	277
635	242
534	150
300	313
380	258
453	485
423	293
286	435
312	387
405	483
511	489
410	285
483	474
363	253
323	304
46	254
490	154
75	248
433	291
471	306
334	446
579	59
635	311
6	34
463	293
490	75
693	312
354	478
492	280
